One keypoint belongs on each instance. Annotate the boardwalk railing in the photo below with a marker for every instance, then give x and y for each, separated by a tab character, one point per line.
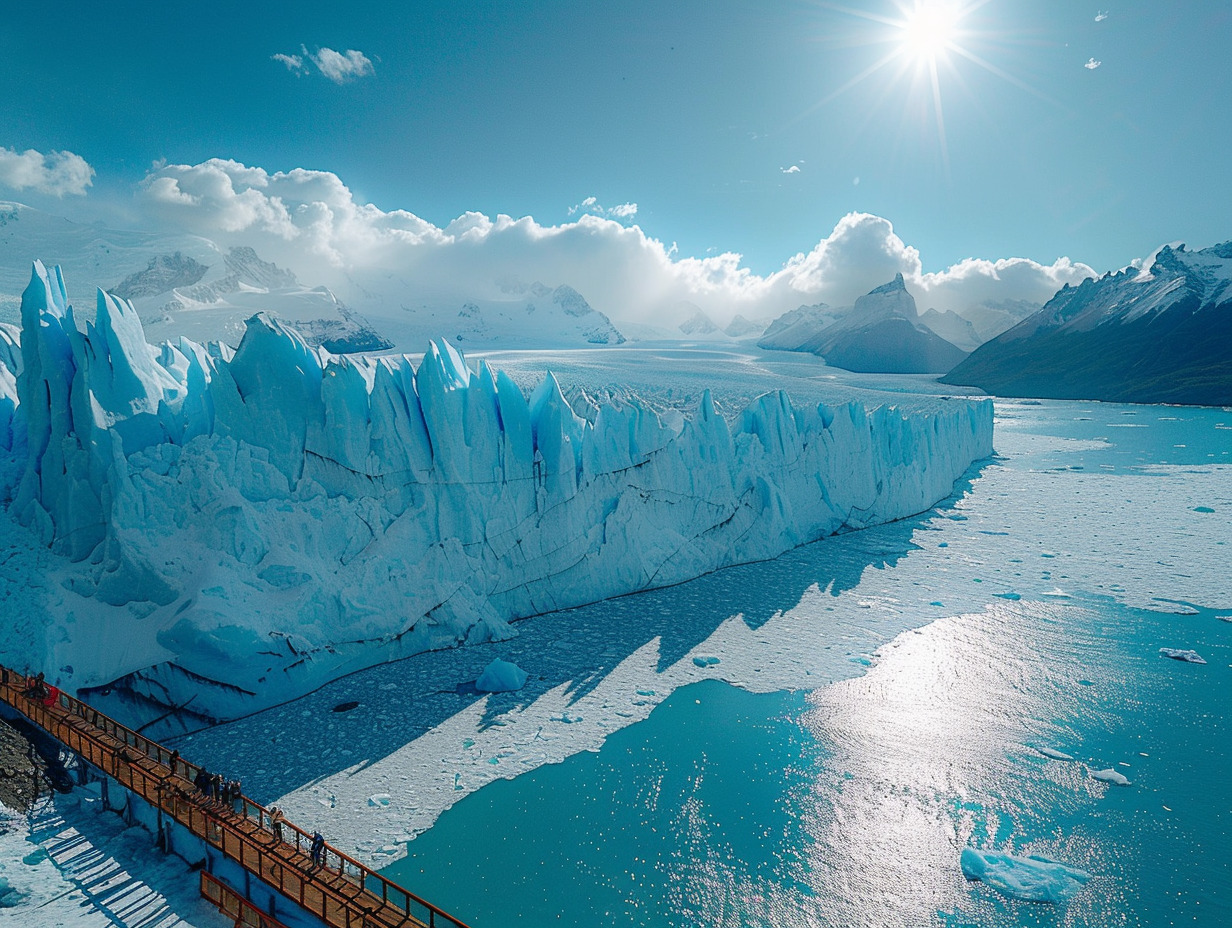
339	890
231	903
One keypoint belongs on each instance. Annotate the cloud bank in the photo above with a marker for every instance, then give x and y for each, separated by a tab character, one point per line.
311	222
57	173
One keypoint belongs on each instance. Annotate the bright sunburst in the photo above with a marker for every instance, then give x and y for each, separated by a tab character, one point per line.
926	41
929	29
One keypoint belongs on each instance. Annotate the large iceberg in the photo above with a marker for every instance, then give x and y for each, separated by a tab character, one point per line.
264	520
1032	879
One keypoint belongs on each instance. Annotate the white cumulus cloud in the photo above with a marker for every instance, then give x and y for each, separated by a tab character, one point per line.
294	63
1092	64
311	222
339	67
591	206
57	173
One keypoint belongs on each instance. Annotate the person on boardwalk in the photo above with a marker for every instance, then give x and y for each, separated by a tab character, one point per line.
276	820
202	781
318	849
36	687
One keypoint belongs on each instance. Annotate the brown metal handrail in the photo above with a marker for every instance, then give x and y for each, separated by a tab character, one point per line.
357	894
231	903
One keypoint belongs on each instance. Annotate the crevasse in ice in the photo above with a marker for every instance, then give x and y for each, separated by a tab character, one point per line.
277	516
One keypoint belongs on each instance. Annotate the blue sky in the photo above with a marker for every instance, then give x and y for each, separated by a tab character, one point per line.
693	111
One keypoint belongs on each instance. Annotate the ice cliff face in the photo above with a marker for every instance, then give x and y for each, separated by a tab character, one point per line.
273	518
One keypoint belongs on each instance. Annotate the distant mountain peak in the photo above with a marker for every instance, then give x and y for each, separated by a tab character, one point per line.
699	324
1161	336
895	285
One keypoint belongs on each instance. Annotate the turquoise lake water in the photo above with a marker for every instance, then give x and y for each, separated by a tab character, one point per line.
850	804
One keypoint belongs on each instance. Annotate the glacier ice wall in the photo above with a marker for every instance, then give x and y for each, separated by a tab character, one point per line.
277	516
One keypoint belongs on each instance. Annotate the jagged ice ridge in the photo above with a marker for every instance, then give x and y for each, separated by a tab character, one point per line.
274	517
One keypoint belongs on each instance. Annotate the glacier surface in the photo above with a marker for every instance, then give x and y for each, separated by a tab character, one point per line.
242	526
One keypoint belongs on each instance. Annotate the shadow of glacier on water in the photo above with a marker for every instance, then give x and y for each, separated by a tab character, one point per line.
311	738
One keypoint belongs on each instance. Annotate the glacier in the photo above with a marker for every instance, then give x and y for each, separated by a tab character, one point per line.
234	528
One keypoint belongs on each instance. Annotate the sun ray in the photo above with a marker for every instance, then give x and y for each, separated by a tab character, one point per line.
1006	76
863	14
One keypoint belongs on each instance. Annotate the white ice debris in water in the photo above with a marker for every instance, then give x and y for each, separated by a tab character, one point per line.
1054	754
501	677
1181	654
1115	777
1032	879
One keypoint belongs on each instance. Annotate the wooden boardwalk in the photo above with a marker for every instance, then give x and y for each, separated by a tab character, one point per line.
342	892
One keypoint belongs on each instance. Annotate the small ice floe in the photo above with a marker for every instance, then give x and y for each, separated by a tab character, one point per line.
1224	618
705	660
1115	777
1013	597
501	677
1031	879
379	800
1181	654
1054	754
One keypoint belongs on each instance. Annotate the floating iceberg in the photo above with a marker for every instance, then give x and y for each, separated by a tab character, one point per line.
1180	654
1031	879
267	519
1115	777
1054	754
501	677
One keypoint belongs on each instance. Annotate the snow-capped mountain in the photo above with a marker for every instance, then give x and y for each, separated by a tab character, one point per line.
177	295
1160	335
535	316
699	325
881	333
185	285
740	327
792	329
955	329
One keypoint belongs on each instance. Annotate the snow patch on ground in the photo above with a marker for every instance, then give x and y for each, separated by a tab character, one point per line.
70	863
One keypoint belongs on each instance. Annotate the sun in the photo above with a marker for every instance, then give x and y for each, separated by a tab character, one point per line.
929	30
